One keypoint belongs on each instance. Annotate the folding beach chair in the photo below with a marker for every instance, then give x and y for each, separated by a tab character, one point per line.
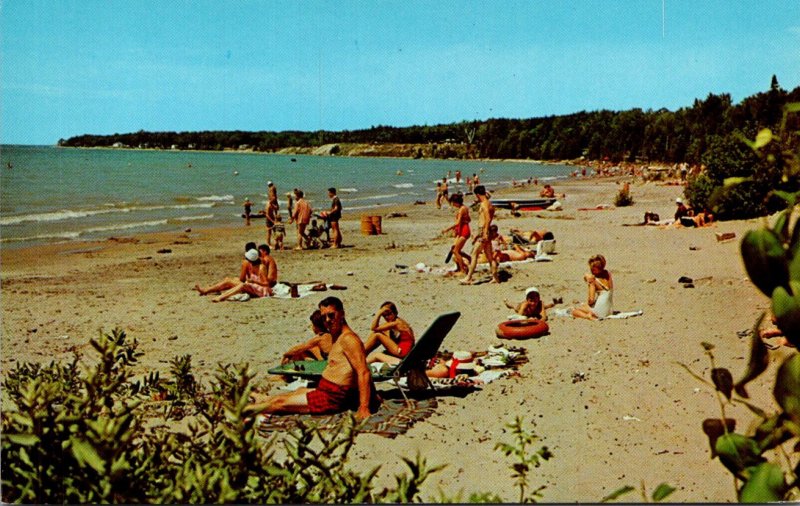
545	246
424	349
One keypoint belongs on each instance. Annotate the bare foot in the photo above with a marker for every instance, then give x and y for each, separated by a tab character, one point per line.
217	299
199	290
465	281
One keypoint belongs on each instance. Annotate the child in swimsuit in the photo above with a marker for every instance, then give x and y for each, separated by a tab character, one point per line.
532	306
601	287
461	229
395	334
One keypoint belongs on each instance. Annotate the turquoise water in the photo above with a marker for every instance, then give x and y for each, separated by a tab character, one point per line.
55	194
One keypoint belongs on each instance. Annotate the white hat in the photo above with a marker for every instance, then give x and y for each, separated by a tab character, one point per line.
462	356
269	183
679	200
251	255
531	290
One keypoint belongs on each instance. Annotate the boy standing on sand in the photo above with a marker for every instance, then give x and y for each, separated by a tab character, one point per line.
346	381
483	240
301	215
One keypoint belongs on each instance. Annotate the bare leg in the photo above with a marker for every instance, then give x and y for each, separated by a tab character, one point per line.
290	402
584	312
457	255
474	263
225	284
238	288
337	234
380	338
378	356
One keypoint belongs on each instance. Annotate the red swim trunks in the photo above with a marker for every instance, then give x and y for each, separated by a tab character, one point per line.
329	397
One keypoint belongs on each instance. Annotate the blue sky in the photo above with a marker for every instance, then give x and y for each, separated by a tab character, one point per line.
83	66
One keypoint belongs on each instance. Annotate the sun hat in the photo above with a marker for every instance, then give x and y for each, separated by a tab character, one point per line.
251	255
269	183
679	200
462	356
530	290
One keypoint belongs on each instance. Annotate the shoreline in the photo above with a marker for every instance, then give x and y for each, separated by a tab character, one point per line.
636	416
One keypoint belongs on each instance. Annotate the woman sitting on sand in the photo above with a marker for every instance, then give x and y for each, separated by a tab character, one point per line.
396	335
316	348
461	230
601	287
252	280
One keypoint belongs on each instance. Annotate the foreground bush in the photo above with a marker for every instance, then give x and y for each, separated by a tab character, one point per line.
89	437
99	436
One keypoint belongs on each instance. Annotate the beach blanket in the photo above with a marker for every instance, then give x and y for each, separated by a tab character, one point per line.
393	418
617	315
422	267
283	290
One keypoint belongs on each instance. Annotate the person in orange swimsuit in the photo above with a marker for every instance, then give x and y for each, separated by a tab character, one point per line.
395	334
461	229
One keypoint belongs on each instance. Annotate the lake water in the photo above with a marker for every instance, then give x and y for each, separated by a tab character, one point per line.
55	194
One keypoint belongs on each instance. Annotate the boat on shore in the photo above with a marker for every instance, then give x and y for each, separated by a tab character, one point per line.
524	204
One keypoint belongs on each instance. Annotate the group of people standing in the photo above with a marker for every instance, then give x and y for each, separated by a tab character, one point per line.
300	213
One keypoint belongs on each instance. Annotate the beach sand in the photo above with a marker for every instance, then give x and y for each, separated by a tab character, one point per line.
636	415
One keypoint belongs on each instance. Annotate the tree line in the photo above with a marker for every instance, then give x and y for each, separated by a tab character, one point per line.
661	135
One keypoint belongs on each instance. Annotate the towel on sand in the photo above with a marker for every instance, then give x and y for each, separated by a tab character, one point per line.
393	418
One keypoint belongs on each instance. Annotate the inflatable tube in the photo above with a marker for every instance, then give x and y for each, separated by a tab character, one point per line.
522	329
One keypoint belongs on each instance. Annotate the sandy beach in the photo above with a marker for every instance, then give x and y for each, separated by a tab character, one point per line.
635	416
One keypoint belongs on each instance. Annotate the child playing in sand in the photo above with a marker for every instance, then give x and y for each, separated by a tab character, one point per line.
532	306
600	290
280	232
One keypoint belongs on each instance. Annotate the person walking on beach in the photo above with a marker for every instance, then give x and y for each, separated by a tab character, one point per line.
483	241
271	217
301	216
346	381
334	215
438	194
461	230
248	206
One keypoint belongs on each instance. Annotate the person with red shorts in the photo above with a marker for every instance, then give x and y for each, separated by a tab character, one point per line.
461	230
346	381
395	334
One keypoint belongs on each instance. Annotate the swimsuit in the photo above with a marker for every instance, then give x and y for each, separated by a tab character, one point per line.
405	340
330	397
462	230
253	282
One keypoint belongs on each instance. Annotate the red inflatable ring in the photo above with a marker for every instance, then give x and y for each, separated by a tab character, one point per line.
522	329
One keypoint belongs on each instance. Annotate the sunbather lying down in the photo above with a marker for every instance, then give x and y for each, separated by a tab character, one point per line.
530	236
516	254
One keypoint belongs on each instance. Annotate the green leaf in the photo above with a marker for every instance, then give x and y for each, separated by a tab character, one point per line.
723	381
713	428
787	387
730	181
786	308
765	260
22	439
792	107
737	453
617	493
662	492
86	454
766	484
763	138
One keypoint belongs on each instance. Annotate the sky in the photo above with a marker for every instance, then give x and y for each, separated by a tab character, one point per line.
72	67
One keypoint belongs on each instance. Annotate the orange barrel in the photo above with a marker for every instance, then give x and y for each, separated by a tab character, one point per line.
376	224
367	228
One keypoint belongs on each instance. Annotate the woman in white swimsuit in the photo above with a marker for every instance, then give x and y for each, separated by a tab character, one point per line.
601	288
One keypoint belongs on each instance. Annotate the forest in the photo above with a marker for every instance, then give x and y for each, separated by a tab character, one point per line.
631	135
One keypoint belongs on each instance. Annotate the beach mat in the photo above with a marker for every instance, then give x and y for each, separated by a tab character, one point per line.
393	418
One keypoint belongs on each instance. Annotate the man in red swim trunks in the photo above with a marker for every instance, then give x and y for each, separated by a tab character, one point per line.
346	382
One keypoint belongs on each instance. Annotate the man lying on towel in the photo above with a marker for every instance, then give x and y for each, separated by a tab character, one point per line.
346	382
